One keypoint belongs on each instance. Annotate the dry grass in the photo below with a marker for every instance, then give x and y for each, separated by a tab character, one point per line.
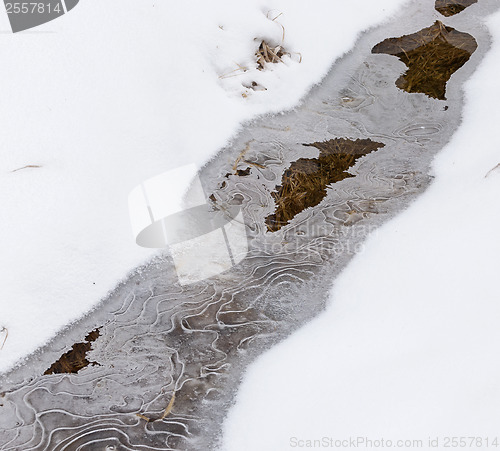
451	7
275	21
265	54
269	54
257	165
242	154
243	172
304	183
234	73
163	416
432	56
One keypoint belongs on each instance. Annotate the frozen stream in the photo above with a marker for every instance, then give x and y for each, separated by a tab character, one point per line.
158	339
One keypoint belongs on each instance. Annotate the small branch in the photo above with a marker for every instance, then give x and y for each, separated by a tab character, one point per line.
4	329
491	170
26	167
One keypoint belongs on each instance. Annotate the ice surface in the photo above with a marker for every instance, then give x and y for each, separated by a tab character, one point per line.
106	102
116	92
407	346
158	338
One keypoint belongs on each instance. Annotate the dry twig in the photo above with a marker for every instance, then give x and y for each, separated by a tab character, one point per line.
493	169
26	167
6	331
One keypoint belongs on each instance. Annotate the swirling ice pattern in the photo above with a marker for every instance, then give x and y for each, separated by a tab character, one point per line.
158	338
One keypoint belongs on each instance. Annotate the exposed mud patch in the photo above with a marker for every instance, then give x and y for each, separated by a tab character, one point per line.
451	7
304	183
432	55
239	172
75	359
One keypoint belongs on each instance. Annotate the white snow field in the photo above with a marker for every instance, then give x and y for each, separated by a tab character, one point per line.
113	93
408	347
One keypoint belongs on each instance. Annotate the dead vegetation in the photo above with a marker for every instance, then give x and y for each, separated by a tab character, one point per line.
266	53
163	416
4	334
432	55
304	184
33	166
241	158
269	54
234	73
242	154
497	167
451	7
76	358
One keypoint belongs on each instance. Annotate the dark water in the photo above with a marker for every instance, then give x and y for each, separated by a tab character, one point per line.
305	183
176	354
451	7
432	55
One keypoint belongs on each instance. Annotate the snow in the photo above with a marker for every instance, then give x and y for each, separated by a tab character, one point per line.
114	93
410	352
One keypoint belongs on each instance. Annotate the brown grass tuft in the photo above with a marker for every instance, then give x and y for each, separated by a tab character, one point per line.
432	56
304	184
75	359
268	54
451	7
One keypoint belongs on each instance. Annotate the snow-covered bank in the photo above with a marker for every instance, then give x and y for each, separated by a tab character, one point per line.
408	347
111	94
